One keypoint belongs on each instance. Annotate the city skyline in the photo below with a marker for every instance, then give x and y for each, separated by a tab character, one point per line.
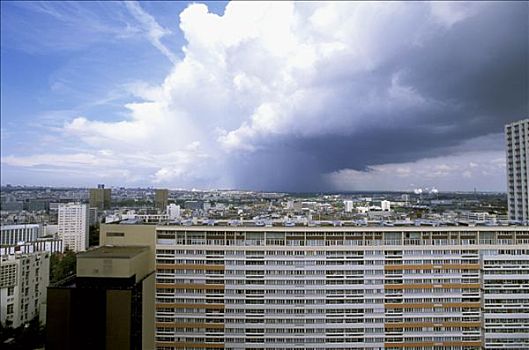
283	97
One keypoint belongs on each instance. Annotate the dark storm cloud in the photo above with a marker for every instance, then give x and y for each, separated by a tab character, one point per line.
474	79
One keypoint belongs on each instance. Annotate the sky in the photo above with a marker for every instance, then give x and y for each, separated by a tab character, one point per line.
275	96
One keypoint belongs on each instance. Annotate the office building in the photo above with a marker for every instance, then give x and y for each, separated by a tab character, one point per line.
73	226
109	304
161	199
14	234
385	205
100	197
242	287
23	281
517	147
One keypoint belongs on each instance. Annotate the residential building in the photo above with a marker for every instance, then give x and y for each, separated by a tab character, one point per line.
161	199
249	287
109	304
100	197
23	281
517	147
13	234
385	205
348	206
173	211
73	226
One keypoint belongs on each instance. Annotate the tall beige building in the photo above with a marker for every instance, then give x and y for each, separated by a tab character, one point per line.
100	197
161	199
517	146
247	287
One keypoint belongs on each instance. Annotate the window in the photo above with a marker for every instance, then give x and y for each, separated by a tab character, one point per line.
115	234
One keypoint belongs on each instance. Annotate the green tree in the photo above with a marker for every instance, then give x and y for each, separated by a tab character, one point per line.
93	236
62	265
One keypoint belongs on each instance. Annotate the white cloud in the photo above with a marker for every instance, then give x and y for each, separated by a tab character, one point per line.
154	31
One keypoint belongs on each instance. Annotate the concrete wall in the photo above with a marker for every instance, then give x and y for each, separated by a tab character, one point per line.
115	267
126	235
148	312
118	320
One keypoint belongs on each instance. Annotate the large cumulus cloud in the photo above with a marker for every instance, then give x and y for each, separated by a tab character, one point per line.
298	96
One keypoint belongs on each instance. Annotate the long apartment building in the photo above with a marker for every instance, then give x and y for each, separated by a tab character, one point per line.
336	287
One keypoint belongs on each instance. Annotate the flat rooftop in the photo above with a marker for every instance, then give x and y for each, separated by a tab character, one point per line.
113	252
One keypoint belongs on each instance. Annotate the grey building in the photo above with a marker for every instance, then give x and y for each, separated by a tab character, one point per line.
517	148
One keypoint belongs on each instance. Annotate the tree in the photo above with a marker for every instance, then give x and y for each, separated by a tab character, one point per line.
93	236
62	265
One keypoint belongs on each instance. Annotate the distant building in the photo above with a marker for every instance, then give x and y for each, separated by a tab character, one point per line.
194	205
13	234
37	204
73	226
517	147
362	210
348	206
49	230
161	198
50	245
100	197
173	211
108	305
385	205
12	206
23	282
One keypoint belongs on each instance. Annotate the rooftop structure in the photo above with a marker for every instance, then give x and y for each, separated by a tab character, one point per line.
109	304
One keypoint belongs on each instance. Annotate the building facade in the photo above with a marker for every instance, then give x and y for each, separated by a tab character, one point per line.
517	148
50	245
100	197
161	199
338	287
23	281
73	228
14	234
